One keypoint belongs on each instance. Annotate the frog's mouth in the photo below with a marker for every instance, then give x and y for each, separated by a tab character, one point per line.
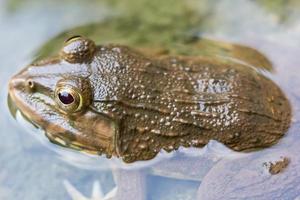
87	132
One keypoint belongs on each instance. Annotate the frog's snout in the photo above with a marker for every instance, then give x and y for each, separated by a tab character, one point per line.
20	83
15	83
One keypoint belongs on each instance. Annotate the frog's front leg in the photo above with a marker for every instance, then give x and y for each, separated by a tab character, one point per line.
131	184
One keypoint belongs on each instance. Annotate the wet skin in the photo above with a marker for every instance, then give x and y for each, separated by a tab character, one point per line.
120	101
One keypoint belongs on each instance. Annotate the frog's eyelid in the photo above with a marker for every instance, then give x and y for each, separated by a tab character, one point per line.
72	37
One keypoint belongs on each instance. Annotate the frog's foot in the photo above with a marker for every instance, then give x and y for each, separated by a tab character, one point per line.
97	193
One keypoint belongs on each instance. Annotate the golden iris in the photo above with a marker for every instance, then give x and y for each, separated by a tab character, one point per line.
68	99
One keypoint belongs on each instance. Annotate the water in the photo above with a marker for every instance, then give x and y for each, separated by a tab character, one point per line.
32	168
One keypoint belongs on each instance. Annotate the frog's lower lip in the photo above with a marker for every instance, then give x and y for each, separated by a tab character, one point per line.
57	140
29	112
16	105
14	109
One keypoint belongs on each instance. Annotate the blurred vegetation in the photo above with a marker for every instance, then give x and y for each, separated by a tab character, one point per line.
144	8
171	26
158	27
16	5
145	24
171	41
281	9
162	12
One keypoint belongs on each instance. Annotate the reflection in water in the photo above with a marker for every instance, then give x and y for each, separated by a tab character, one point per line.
28	161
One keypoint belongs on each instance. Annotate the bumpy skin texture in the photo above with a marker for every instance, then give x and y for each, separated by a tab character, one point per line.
147	104
176	101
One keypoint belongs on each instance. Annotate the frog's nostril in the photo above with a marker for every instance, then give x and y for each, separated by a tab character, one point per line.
20	83
30	84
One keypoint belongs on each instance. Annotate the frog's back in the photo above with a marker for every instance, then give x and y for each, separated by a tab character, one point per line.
174	101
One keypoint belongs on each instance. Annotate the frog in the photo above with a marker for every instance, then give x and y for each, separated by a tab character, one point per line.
134	103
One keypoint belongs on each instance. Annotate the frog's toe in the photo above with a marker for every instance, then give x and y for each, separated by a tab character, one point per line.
97	192
111	195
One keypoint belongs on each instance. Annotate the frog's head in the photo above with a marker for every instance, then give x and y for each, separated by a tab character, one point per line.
56	95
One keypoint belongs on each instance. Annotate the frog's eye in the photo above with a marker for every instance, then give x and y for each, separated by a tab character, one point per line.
73	94
68	99
78	49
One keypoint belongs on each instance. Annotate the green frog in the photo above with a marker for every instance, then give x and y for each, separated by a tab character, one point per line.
132	102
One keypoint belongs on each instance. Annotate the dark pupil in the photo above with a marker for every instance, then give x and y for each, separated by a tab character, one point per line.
65	97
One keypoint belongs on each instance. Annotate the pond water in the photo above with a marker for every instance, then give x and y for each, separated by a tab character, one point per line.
32	168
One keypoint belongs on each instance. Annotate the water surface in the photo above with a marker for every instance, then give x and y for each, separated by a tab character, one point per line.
32	168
